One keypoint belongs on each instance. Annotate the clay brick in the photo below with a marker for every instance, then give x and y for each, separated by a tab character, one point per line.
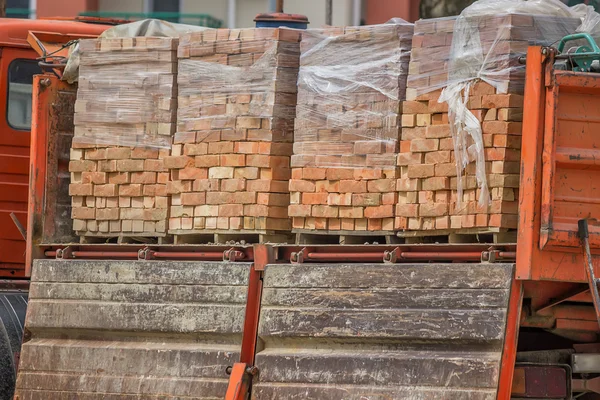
300	210
195	149
83	213
436	183
97	178
424	145
510	114
246	173
118	153
314	198
408	185
324	211
144	153
95	154
437	157
502	101
130	190
107	214
143	177
302	186
353	186
82	166
107	190
339	199
381	185
191	173
414	107
407	210
367	174
246	147
220	147
231	210
502	127
130	165
193	199
433	209
408	120
206	211
177	162
350	212
445	170
206	161
423	119
383	211
273	199
313	173
366	199
410	158
233	160
233	185
340	173
421	171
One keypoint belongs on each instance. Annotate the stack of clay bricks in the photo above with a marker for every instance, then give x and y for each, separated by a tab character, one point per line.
428	183
230	162
350	88
124	120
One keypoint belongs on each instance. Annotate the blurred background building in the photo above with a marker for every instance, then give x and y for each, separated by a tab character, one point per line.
240	13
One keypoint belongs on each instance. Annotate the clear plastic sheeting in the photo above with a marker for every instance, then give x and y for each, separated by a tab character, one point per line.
127	92
484	43
240	85
350	87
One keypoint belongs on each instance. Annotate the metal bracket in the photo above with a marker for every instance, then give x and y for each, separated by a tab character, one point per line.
64	253
241	375
145	254
490	256
298	257
233	255
392	256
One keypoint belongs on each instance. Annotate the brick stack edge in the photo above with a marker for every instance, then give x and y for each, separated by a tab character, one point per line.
124	118
350	87
427	186
230	162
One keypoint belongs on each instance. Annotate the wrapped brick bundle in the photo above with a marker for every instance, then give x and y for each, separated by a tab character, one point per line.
473	129
230	158
350	87
124	120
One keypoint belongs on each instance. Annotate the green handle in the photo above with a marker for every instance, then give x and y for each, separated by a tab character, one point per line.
578	36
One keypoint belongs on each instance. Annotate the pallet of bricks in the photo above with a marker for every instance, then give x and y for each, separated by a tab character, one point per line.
429	187
124	121
230	162
350	88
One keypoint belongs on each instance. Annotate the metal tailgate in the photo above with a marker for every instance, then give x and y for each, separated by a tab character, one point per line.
377	331
131	329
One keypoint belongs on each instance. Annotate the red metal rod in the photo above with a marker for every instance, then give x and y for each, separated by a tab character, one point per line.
508	254
50	253
345	256
105	254
206	255
432	255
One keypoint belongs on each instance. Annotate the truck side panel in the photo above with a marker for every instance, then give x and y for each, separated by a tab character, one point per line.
349	331
132	329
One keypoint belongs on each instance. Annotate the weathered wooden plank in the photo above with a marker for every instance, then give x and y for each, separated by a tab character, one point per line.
135	317
445	299
178	360
453	276
330	392
132	330
128	292
398	368
141	272
398	324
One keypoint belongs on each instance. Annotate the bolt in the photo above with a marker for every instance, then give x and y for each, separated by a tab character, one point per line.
252	370
45	82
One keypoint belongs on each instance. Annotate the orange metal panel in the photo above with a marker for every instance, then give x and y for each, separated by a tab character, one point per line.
509	353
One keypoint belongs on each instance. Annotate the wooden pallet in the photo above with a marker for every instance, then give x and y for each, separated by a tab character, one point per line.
232	237
123	238
464	235
345	237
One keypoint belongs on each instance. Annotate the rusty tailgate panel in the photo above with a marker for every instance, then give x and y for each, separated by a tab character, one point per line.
131	329
376	331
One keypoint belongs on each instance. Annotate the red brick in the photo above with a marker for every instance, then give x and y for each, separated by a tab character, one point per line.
231	210
273	199
296	173
366	199
143	177
266	185
436	183
383	211
130	190
82	165
95	154
144	153
410	159
501	100
220	147
339	199
433	209
327	186
502	127
193	199
421	171
366	174
408	185
424	145
97	178
83	213
414	107
275	173
339	173
108	190
314	198
119	177
206	161
353	186
154	165
335	224
118	153
313	174
195	149
381	185
437	157
445	170
191	173
322	211
350	212
302	186
130	165
233	160
407	210
107	214
177	162
233	185
298	223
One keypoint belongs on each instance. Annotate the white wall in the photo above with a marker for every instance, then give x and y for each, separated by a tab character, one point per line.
121	5
315	11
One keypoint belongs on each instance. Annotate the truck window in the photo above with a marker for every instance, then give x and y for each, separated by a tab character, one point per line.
20	85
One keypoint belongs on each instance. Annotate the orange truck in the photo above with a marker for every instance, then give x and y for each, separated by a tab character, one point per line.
404	321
